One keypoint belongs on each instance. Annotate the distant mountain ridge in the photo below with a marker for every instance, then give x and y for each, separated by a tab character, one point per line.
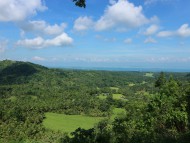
19	72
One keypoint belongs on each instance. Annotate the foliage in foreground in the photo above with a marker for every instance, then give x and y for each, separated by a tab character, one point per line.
159	118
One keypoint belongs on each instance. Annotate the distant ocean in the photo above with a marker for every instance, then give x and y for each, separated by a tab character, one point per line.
129	69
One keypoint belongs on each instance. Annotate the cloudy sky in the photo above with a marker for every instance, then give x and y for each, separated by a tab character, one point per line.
107	33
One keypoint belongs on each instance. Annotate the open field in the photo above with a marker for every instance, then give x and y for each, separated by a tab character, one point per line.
101	96
114	88
117	112
115	96
69	123
131	84
149	74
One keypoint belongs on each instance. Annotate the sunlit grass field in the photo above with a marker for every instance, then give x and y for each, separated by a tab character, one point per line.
117	112
114	88
101	96
115	96
69	123
131	84
149	75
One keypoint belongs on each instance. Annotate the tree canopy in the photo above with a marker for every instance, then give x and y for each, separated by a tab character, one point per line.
80	3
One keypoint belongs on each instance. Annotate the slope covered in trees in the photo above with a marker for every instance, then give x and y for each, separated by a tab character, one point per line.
17	72
157	106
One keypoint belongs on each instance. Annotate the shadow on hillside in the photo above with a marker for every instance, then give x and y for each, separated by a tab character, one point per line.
16	73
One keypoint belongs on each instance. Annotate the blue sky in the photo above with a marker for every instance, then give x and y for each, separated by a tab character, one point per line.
107	33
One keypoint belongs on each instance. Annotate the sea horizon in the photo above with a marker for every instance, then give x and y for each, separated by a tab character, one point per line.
134	69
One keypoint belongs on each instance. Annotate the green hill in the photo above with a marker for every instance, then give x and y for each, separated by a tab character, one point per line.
5	63
12	72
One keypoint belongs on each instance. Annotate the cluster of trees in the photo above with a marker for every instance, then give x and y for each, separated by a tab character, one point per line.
157	108
162	117
80	3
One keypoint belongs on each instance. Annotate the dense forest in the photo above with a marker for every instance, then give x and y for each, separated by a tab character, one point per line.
156	105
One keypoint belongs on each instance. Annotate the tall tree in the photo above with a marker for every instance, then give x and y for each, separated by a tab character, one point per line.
161	80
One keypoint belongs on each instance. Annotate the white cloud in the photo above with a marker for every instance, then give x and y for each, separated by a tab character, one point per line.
151	30
37	58
165	34
18	10
32	43
183	31
154	19
61	40
39	42
42	27
3	46
128	41
83	23
122	14
150	40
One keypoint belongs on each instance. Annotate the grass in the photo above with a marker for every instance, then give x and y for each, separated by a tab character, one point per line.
131	84
142	92
149	74
101	96
117	96
69	123
114	88
117	112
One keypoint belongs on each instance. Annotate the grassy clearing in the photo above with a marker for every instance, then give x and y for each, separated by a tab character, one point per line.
69	123
101	96
114	88
117	112
149	75
117	96
142	92
131	84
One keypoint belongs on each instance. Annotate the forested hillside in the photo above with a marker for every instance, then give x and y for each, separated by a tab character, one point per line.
155	106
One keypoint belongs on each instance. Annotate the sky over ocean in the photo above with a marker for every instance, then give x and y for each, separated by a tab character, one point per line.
107	33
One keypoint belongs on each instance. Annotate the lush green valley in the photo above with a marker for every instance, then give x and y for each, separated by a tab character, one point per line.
39	104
